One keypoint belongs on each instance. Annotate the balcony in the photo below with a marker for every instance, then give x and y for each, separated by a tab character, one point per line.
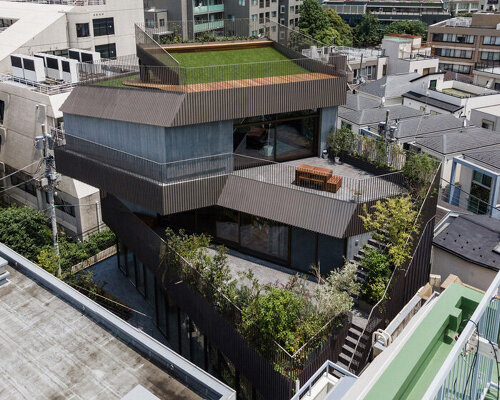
208	26
212	8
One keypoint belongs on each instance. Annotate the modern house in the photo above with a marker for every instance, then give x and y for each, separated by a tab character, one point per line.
390	88
420	354
221	149
103	26
465	43
71	346
429	12
475	181
434	95
487	76
467	246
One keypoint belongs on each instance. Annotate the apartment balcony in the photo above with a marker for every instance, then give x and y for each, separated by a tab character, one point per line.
208	26
212	8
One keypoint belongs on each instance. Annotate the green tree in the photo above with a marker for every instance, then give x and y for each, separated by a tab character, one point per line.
412	27
419	170
315	23
393	222
368	32
344	31
341	140
24	230
379	269
48	260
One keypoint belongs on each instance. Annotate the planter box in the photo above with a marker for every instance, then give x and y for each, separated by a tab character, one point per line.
364	165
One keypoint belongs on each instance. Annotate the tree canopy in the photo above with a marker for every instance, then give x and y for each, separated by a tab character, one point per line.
324	25
368	32
24	230
418	28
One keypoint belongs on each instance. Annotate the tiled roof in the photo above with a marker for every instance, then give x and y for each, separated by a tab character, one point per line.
390	85
357	102
375	115
489	158
459	140
418	126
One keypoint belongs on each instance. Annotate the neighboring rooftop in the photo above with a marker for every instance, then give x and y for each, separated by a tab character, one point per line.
489	158
426	124
431	101
459	140
472	238
390	86
356	102
51	349
369	116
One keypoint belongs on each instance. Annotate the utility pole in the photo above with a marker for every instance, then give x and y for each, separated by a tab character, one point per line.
46	143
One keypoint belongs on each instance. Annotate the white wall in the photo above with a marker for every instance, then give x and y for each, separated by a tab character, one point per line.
444	264
477	117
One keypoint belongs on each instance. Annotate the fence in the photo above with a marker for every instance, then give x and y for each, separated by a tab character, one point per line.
455	195
40	87
352	189
405	279
453	379
215	314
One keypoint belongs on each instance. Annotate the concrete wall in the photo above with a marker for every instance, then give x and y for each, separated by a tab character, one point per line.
477	117
417	105
154	142
444	263
356	243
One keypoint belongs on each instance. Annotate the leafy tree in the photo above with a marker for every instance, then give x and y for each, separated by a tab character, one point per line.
419	170
344	31
315	23
392	221
378	266
410	27
24	230
368	32
48	260
341	140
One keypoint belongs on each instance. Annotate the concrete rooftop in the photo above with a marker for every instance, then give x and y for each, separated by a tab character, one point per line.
50	350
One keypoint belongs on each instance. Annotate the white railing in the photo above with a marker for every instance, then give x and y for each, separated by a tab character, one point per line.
325	369
44	88
468	375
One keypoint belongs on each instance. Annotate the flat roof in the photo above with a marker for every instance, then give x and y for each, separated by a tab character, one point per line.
412	370
49	349
493	110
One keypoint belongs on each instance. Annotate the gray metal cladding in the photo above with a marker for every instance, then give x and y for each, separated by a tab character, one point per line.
293	207
164	108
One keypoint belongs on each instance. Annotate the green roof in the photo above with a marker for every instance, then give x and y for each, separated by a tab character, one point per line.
410	373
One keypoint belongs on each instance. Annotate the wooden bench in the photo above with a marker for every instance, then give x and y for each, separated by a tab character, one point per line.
333	184
307	175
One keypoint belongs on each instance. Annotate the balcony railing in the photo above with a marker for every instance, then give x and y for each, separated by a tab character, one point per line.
208	9
469	374
210	25
49	89
357	190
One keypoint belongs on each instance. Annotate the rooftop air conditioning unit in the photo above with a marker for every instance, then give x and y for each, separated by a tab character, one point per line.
84	56
27	67
54	67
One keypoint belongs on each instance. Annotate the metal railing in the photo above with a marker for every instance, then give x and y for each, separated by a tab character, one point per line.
464	374
44	88
80	3
455	195
358	190
323	371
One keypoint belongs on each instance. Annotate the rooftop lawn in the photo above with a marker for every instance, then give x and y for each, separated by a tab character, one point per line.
228	65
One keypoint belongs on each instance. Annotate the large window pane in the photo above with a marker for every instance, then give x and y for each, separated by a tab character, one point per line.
330	253
140	277
103	26
303	250
226	226
295	139
255	141
264	236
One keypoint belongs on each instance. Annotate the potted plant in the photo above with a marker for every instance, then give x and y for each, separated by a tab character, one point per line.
341	141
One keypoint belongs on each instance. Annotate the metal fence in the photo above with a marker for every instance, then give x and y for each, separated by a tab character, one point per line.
405	279
352	189
467	374
44	88
455	195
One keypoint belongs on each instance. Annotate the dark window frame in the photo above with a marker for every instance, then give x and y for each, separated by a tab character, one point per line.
83	30
103	26
106	50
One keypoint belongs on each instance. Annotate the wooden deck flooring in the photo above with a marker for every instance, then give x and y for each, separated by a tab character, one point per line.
205	87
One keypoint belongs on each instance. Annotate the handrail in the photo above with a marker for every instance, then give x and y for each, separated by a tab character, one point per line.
323	369
395	269
462	340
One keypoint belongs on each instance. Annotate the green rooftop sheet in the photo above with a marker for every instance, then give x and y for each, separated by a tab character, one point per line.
228	65
410	373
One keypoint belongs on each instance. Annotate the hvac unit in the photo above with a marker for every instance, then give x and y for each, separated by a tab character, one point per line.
54	67
84	56
29	68
3	137
69	70
43	57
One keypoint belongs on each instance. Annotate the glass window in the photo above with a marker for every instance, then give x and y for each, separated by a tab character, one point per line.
295	139
82	30
150	286
22	180
107	50
487	124
122	258
140	277
330	253
490	55
492	40
264	236
131	268
481	178
2	111
103	26
161	311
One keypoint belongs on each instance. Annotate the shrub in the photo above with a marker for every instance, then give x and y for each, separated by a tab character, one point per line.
379	270
419	170
341	140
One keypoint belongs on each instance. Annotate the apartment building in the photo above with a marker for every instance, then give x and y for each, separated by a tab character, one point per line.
463	44
430	12
104	26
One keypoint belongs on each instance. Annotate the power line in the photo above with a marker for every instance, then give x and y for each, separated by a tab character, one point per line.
20	184
19	170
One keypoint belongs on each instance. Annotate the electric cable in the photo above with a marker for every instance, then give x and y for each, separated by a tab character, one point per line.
474	361
19	170
20	184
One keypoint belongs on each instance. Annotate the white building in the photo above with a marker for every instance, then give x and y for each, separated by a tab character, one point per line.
486	117
23	108
105	26
437	96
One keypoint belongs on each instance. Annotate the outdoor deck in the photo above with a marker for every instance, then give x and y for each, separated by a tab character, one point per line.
354	180
233	84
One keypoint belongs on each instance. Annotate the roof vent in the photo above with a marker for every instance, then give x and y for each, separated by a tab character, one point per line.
4	274
497	248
